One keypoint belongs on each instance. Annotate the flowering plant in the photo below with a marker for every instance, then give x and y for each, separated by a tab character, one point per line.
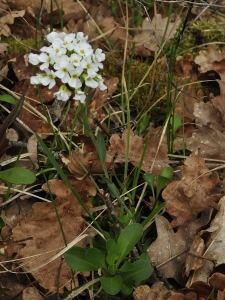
71	59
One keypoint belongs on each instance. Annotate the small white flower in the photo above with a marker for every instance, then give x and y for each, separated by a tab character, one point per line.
80	96
91	67
68	42
75	59
52	36
35	79
83	49
62	93
56	48
91	82
45	49
80	37
62	69
33	59
48	78
98	56
74	80
100	81
62	35
45	60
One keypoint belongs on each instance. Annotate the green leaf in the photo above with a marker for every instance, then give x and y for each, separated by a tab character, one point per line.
111	246
138	20
144	256
111	258
76	259
111	249
167	172
153	213
112	269
163	178
100	147
142	270
8	99
126	267
127	240
175	122
150	178
125	219
126	290
96	257
18	175
111	285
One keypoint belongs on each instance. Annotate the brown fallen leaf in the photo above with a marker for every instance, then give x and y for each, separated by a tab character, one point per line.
208	115
7	19
217	281
193	194
170	259
80	161
157	291
207	142
47	240
206	58
154	160
215	243
158	24
31	293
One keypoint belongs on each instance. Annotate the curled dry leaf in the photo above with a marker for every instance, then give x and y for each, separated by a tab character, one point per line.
43	227
193	194
78	163
217	281
81	164
154	160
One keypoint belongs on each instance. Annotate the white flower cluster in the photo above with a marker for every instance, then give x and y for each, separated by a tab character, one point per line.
71	59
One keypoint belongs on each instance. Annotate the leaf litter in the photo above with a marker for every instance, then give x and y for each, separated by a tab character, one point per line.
191	227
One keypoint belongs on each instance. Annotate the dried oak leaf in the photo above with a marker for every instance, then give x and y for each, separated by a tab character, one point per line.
193	194
215	243
173	244
208	115
80	164
186	67
206	58
154	160
31	293
42	225
186	102
207	142
7	19
187	71
211	251
145	36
